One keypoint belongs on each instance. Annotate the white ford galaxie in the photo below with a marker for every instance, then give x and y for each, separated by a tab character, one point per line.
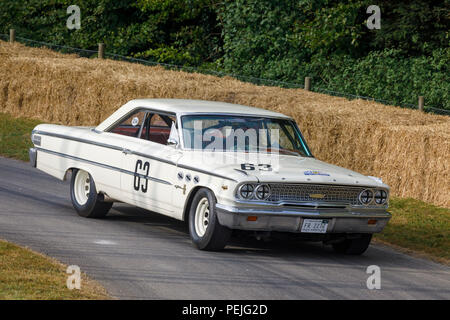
217	166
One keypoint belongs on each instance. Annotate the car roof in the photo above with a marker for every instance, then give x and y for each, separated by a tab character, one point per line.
196	106
186	106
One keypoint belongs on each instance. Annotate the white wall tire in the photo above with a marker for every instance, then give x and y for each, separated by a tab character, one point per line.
82	187
202	216
84	196
204	227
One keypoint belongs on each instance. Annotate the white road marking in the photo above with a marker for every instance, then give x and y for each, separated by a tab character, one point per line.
105	242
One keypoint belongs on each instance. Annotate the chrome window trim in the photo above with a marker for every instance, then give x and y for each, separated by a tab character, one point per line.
137	109
182	114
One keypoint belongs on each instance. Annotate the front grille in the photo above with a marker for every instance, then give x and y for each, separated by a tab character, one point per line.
312	192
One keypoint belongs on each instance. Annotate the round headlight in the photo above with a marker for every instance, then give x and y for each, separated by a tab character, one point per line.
380	197
246	191
262	192
366	196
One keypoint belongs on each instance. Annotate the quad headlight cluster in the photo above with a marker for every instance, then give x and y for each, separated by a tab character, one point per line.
376	196
250	191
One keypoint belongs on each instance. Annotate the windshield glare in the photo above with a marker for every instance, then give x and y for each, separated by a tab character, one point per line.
243	134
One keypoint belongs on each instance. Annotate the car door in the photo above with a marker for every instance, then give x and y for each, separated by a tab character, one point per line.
152	164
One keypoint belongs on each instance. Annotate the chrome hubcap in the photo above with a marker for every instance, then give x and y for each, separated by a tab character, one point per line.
202	217
82	187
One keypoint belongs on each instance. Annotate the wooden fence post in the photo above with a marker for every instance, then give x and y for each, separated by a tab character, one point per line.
308	83
101	51
421	103
12	35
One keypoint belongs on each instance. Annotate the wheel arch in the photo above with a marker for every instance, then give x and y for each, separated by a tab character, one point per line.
190	198
70	170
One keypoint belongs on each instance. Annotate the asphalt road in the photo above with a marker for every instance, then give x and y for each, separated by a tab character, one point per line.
137	254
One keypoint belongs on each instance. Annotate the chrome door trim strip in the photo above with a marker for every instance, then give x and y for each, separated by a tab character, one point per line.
63	136
109	146
103	166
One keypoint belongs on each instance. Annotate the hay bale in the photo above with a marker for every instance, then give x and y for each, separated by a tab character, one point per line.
408	149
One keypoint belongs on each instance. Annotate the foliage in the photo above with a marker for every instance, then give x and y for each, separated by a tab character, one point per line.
329	41
176	31
388	75
258	39
338	29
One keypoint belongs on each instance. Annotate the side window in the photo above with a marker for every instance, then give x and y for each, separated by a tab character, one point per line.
131	125
159	129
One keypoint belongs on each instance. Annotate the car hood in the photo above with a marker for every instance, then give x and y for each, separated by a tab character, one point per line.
239	166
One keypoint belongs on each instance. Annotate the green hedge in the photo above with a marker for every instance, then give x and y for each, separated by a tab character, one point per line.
388	75
174	31
329	41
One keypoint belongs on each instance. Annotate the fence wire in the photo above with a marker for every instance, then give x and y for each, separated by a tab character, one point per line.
86	53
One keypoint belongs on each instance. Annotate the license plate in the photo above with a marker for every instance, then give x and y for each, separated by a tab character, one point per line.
314	226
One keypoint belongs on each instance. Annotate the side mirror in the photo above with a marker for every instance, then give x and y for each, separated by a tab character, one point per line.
173	137
172	142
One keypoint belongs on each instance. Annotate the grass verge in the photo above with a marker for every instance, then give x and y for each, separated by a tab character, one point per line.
419	227
415	225
25	274
15	136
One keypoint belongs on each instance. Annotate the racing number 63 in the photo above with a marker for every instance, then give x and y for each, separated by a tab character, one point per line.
137	176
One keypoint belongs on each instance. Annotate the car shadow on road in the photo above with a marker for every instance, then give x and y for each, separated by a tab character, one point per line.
241	242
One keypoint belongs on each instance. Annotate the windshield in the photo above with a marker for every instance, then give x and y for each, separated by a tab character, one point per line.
244	134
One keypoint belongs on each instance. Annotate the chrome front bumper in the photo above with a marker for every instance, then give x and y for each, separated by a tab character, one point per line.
290	219
33	157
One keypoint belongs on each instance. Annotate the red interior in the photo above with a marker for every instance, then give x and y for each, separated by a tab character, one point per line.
126	131
158	134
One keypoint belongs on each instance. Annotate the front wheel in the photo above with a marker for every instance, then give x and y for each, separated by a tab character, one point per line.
84	196
204	228
355	246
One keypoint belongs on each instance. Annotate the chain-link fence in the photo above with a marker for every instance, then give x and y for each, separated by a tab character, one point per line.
255	80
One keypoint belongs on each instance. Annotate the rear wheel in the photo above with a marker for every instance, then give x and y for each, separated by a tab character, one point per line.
355	246
204	228
84	196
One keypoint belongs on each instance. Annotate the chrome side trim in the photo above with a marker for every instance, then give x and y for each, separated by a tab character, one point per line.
242	171
109	146
36	140
205	172
104	166
62	136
